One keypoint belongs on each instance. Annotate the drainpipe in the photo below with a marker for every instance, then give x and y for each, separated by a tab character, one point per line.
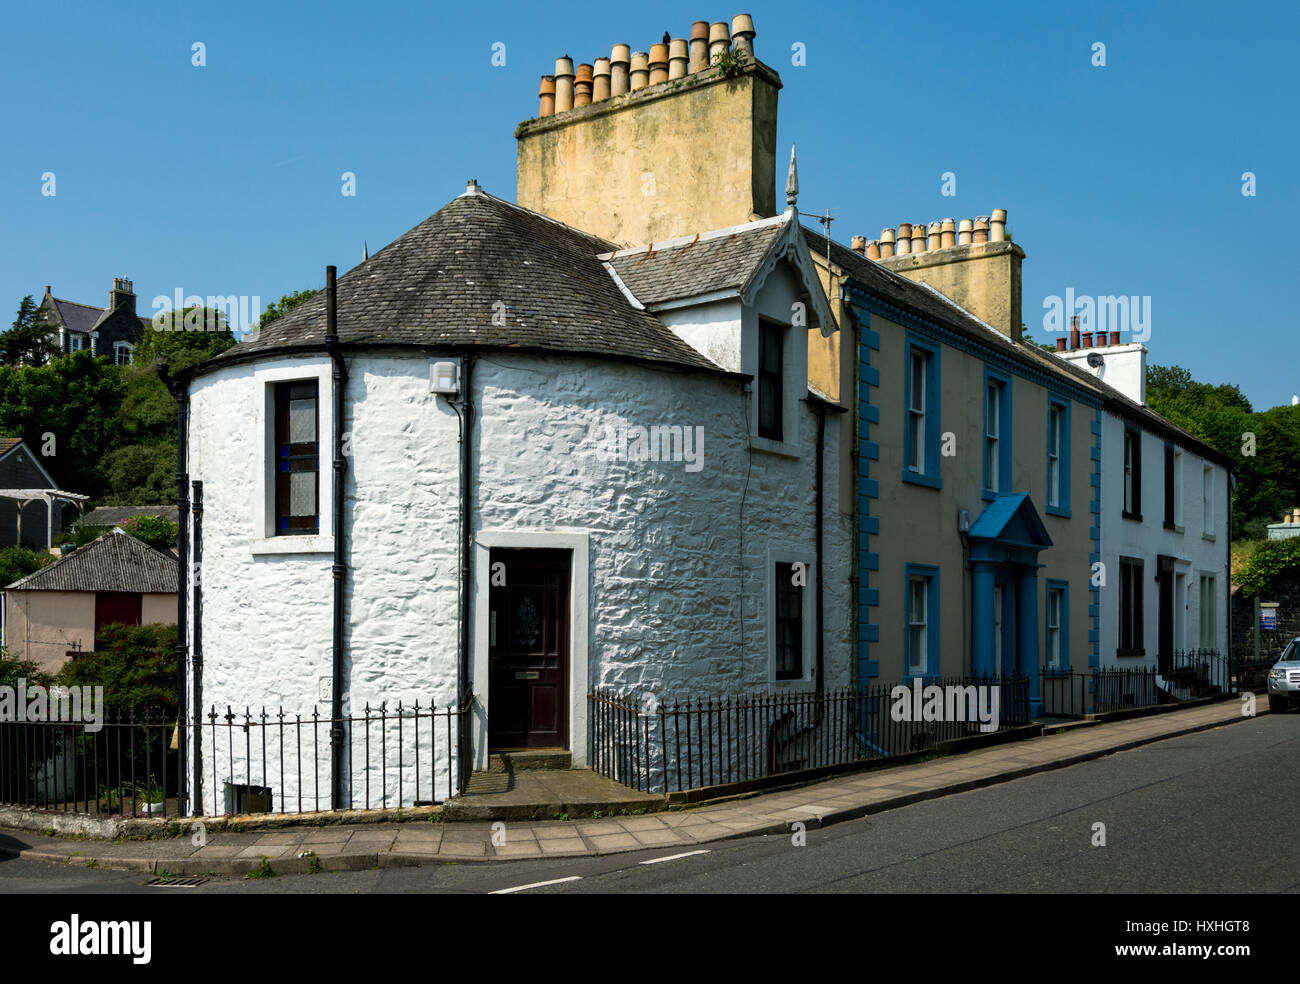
198	636
340	570
466	491
820	495
181	392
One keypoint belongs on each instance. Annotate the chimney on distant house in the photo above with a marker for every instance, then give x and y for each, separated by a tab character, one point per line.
1105	355
123	292
980	270
689	145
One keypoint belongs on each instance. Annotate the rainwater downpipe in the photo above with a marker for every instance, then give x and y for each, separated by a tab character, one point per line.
340	378
181	392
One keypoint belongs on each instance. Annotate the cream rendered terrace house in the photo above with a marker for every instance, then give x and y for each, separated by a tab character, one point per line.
519	455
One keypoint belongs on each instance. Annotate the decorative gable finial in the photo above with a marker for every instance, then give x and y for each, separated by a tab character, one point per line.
365	251
792	181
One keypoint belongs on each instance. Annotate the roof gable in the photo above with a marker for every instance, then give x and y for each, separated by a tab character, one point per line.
1011	519
115	561
735	261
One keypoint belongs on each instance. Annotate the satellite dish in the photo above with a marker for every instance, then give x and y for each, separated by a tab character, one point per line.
1095	360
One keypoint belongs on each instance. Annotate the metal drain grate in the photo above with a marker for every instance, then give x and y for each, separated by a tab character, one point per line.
176	882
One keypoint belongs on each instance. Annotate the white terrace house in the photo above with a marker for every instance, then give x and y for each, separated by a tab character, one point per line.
1166	501
624	438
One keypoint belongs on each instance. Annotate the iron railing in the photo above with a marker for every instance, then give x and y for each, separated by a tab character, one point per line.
698	742
1187	675
253	761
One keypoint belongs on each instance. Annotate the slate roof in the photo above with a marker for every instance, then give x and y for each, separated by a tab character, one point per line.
84	317
112	515
76	317
440	284
114	562
690	266
929	303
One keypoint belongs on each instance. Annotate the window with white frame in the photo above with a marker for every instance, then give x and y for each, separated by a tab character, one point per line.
1209	622
1055	423
921	615
1055	619
123	353
76	341
992	434
916	412
1207	500
1132	506
917	623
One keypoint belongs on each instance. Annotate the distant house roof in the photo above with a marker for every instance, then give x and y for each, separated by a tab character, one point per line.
482	273
116	561
7	444
112	515
84	318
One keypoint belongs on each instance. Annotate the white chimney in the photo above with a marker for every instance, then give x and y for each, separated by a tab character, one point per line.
1121	366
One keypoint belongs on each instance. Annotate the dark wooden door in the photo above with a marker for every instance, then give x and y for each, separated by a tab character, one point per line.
1165	616
528	649
113	606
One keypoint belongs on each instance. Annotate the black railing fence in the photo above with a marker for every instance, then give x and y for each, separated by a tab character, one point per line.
252	761
691	743
1187	675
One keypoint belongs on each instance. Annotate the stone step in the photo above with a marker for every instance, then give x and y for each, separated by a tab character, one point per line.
530	759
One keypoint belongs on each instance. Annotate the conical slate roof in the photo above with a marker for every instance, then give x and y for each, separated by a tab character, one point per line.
482	272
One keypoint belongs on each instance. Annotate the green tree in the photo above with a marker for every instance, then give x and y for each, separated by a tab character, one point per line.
277	309
186	338
28	341
75	398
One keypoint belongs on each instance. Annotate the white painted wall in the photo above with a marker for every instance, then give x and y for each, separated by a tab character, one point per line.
1121	537
676	573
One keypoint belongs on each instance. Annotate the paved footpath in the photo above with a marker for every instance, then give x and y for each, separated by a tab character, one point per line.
361	846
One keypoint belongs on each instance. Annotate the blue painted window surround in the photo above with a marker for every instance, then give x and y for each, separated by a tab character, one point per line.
921	420
1058	456
997	433
921	620
1056	627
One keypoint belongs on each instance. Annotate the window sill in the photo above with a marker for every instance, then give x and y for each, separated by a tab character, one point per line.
1130	654
988	495
273	545
919	478
1136	517
782	449
1062	511
1208	536
1056	671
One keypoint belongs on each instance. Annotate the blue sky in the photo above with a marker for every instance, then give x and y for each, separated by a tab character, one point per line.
225	179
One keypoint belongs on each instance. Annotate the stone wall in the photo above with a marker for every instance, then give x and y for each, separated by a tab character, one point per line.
1271	643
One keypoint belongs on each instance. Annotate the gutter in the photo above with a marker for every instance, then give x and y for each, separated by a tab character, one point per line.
340	571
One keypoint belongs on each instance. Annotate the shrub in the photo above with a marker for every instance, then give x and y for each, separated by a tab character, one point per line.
157	531
18	562
135	664
1271	561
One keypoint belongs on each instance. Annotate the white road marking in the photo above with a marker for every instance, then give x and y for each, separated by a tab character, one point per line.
674	857
524	888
